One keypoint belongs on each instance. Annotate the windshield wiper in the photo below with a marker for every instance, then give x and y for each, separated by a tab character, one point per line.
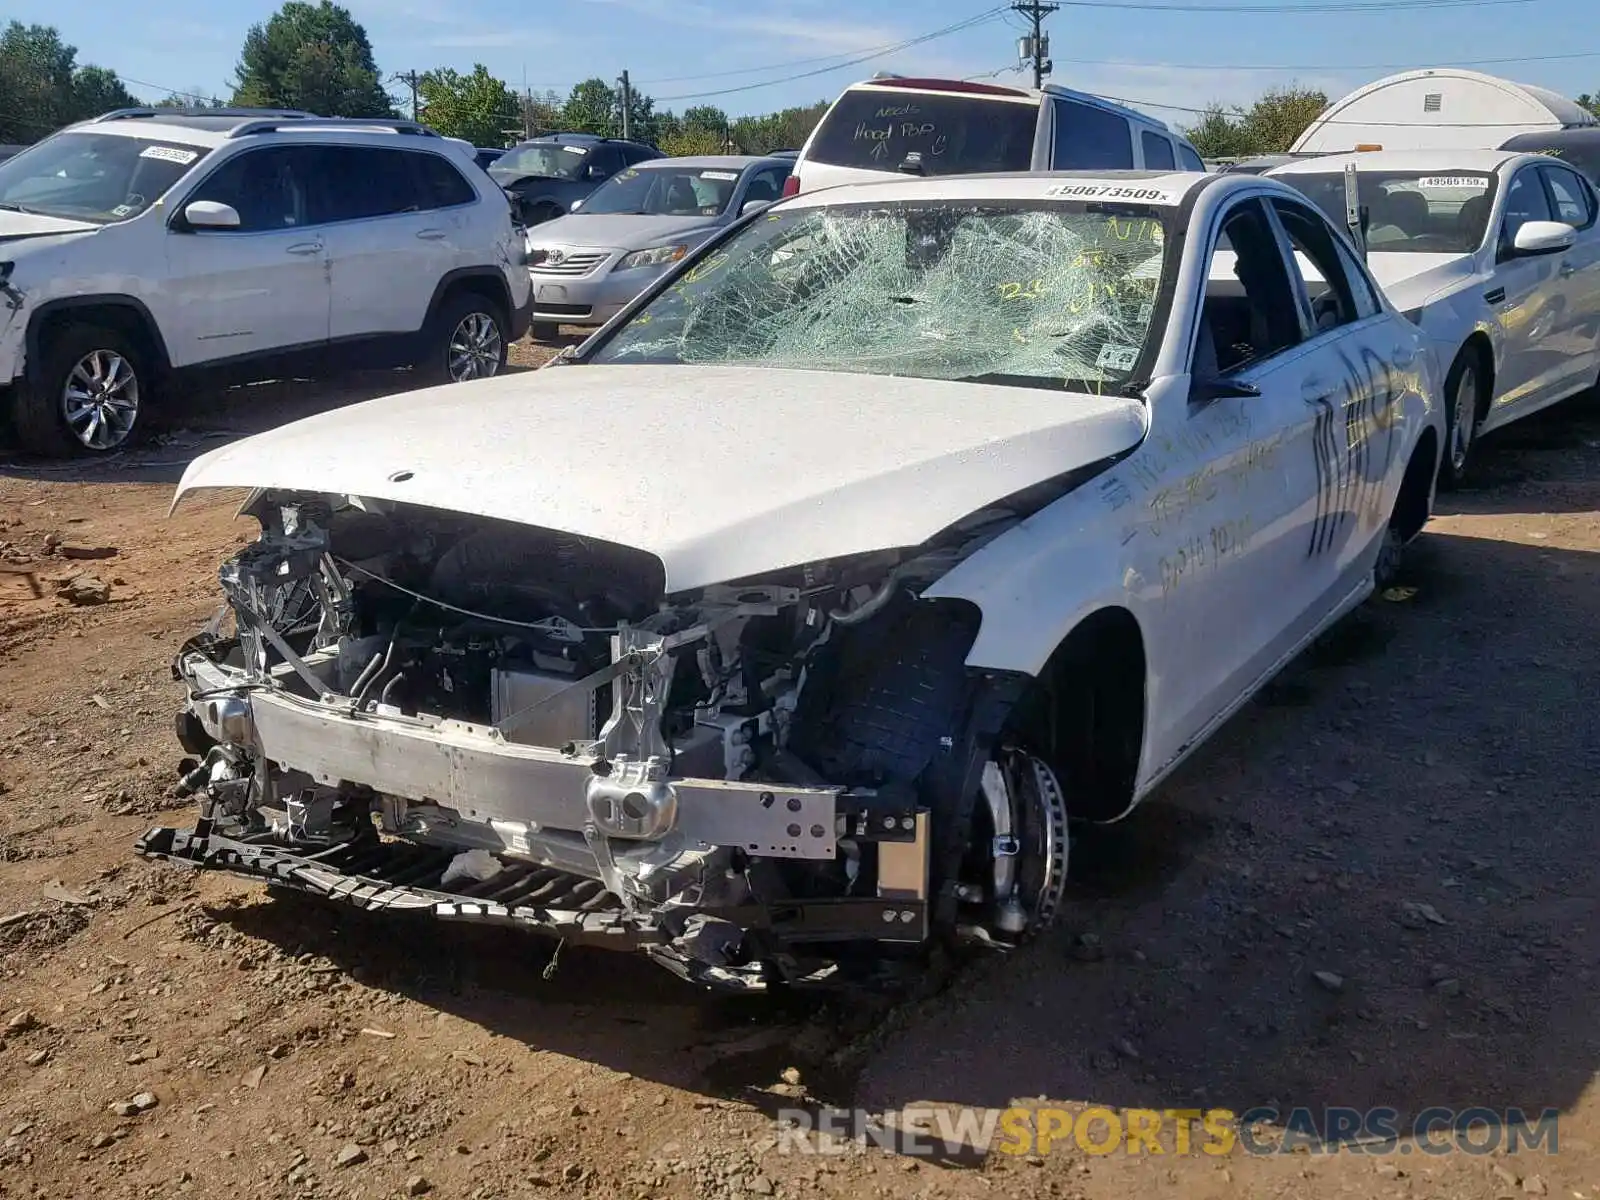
13	208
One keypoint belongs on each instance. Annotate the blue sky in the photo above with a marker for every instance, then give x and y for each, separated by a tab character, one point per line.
1145	57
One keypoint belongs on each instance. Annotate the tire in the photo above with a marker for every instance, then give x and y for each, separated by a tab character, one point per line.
92	387
1391	557
544	331
1463	390
466	340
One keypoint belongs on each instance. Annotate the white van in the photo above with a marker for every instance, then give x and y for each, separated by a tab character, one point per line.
892	124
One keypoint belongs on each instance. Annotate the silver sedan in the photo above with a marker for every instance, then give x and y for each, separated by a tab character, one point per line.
588	265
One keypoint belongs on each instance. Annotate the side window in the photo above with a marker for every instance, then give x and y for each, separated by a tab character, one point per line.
1338	294
1090	139
1189	159
636	154
766	185
1250	311
360	182
1157	152
1573	198
440	183
265	187
606	160
1525	201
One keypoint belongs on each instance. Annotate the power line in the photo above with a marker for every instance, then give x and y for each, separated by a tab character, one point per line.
957	27
1177	66
1321	6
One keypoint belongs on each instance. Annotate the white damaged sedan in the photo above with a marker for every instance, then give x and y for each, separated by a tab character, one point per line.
779	630
1496	256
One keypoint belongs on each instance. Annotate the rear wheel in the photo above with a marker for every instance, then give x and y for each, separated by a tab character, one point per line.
1463	388
467	341
92	388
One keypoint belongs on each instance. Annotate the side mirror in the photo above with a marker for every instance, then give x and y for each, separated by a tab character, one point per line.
594	171
750	206
1204	391
576	205
209	214
1543	237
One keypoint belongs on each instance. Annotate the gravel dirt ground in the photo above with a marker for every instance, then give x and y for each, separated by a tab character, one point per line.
1407	811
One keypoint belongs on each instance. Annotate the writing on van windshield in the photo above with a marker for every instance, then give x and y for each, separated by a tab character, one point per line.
894	125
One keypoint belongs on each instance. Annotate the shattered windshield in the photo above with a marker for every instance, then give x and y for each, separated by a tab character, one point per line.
552	161
1053	295
1409	212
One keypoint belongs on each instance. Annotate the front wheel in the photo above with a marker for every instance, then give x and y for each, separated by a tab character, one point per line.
467	341
92	387
1463	389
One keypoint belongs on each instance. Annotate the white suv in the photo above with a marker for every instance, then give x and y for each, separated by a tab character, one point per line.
150	247
890	124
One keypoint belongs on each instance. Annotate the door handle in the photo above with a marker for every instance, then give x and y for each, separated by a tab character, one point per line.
1404	355
1314	387
1495	296
303	248
1566	270
431	235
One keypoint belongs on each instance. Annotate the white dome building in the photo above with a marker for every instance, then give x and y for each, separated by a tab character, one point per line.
1440	109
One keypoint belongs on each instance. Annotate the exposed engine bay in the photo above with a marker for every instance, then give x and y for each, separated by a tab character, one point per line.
787	779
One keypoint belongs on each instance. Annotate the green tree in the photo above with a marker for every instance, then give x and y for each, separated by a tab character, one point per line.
1273	122
1591	102
42	87
311	56
96	90
596	107
477	107
1217	134
190	99
590	107
684	142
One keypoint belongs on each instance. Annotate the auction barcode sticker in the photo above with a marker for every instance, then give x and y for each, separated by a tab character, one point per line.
170	154
1475	183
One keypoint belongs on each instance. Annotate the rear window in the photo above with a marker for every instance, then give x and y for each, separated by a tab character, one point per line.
1583	156
955	135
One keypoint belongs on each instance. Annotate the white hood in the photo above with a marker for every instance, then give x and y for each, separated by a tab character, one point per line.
721	472
15	226
1409	280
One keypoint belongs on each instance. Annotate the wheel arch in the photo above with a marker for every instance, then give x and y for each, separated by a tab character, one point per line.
1479	343
1414	504
126	314
1092	735
486	282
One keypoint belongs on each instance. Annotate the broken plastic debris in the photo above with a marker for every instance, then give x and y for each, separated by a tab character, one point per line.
1399	595
471	864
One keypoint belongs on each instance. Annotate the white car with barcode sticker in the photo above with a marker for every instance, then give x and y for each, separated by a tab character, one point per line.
777	630
1495	254
154	248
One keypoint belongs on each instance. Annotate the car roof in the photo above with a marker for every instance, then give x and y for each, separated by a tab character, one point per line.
210	130
728	162
1001	91
578	139
1135	187
1399	160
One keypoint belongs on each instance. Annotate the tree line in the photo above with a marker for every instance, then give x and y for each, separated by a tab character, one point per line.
317	57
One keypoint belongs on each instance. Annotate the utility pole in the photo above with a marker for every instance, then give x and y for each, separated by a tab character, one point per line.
411	79
1036	46
627	108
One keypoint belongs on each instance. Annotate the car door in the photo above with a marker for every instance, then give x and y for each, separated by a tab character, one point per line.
1359	357
251	290
1225	538
1575	332
387	245
1522	294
